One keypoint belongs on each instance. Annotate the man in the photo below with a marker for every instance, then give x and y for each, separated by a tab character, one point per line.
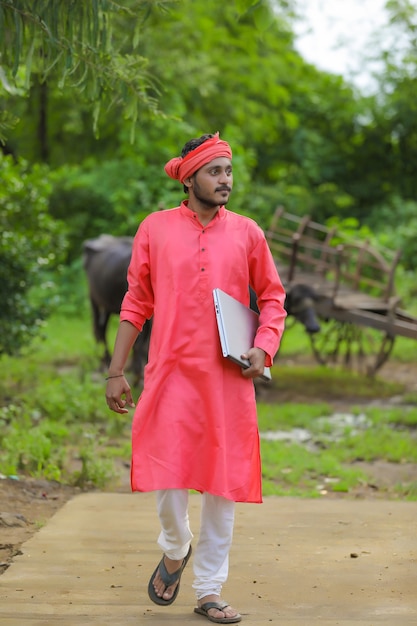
195	426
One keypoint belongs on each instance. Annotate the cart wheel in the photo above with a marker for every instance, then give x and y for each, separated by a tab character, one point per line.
358	348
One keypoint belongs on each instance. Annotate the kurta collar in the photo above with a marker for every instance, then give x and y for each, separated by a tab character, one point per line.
187	212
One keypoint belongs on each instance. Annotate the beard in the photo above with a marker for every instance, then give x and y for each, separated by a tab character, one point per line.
208	200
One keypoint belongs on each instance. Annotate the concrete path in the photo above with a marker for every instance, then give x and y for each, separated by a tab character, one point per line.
294	561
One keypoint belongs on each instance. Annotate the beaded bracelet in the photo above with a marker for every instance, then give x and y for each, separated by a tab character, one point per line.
117	376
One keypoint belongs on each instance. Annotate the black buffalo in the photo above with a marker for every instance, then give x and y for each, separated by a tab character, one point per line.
106	260
299	302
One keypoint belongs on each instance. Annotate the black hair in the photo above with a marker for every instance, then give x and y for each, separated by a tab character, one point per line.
192	144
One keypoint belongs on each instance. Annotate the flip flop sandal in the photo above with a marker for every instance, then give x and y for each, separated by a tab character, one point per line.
168	580
220	606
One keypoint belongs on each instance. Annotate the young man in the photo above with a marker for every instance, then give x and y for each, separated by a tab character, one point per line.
195	425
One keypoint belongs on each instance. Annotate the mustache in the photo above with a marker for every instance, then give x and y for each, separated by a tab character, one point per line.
224	188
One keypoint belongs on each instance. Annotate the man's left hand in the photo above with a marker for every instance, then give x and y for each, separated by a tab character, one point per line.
256	357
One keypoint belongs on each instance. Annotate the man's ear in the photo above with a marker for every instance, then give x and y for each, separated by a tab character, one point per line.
188	182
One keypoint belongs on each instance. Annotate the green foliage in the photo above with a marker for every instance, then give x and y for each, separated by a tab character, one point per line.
71	289
7	122
29	447
32	444
58	399
57	427
321	462
74	40
86	211
300	137
30	243
380	443
292	469
333	382
54	422
396	222
399	417
95	471
106	197
288	416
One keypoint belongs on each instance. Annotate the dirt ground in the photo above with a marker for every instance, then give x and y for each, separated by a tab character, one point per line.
27	504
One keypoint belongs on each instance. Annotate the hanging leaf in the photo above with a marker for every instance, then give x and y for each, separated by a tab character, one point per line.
18	42
96	116
244	5
7	123
29	60
263	17
73	41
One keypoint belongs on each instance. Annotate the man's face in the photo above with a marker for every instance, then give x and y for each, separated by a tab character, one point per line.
212	183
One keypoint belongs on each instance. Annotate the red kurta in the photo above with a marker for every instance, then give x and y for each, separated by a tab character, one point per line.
195	424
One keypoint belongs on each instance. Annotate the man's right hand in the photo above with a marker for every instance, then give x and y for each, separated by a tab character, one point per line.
115	390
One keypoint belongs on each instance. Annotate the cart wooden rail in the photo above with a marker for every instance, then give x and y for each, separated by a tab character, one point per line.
356	299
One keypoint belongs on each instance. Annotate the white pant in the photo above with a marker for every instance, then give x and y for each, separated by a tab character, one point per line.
211	554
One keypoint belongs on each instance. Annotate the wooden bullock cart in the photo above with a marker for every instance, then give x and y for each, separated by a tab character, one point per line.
356	300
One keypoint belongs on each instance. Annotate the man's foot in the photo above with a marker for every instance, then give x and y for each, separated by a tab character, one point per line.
161	590
164	583
220	613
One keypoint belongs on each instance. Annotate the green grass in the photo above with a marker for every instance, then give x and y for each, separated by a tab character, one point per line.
286	416
320	380
327	462
290	469
54	422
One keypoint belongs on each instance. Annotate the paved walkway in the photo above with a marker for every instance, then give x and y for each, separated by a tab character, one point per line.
294	562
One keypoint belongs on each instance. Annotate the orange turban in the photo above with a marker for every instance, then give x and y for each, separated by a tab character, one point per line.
181	168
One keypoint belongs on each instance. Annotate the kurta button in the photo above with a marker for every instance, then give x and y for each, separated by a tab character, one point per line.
202	249
202	269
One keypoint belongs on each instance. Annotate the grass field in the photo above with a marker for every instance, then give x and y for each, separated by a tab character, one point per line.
55	424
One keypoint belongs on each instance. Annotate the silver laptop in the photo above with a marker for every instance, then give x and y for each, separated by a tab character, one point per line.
237	326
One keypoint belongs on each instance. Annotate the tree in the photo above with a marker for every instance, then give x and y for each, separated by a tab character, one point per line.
74	41
291	125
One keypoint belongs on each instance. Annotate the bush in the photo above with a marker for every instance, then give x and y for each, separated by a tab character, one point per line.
87	213
30	244
397	225
111	197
